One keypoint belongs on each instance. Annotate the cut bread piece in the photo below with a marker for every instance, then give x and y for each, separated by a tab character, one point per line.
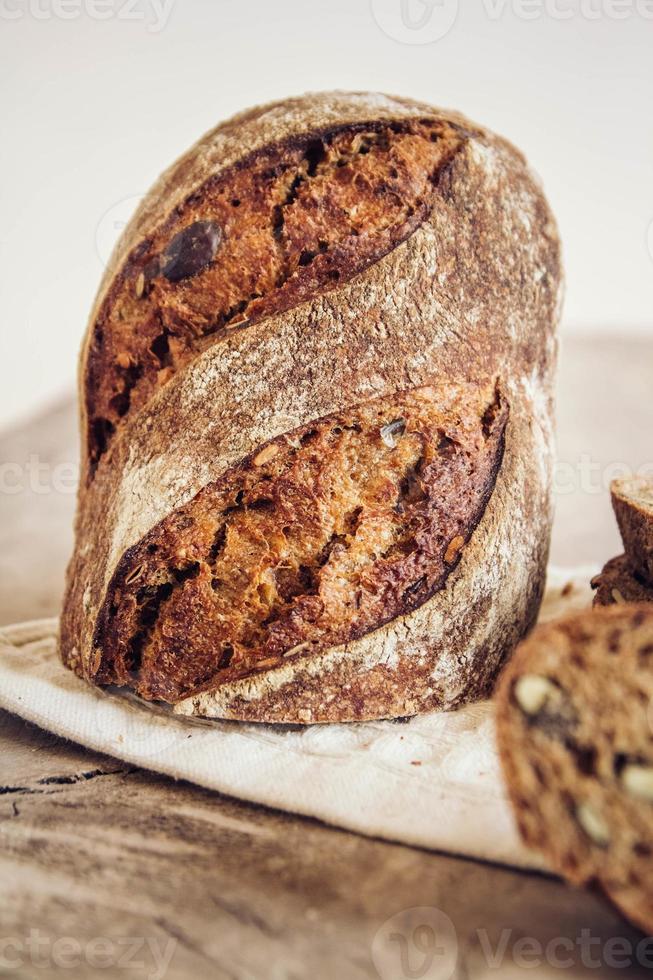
618	583
575	717
632	500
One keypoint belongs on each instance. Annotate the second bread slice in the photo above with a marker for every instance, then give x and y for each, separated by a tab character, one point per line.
632	500
575	717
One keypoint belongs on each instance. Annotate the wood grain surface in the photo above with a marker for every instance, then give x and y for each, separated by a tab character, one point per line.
107	871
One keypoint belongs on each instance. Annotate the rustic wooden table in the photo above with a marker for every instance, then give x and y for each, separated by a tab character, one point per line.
109	871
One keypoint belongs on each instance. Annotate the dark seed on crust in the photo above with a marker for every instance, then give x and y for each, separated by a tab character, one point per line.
191	251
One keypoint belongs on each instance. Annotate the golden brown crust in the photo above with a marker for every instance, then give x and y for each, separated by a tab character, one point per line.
473	293
574	727
286	223
316	539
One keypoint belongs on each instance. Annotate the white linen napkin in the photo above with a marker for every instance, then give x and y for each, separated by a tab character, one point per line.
433	781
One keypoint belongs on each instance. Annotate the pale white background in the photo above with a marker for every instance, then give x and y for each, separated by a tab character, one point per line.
91	110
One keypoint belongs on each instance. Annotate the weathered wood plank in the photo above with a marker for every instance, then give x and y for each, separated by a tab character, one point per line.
91	849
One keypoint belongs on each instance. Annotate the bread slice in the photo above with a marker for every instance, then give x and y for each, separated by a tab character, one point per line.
617	584
575	717
632	500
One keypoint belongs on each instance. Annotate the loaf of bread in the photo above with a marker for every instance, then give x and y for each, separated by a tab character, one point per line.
575	727
629	578
316	412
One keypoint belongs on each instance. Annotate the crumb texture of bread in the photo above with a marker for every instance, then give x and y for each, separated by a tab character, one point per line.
618	583
316	399
321	536
575	730
282	225
632	500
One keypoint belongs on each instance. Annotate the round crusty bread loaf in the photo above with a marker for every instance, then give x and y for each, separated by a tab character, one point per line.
316	411
575	727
